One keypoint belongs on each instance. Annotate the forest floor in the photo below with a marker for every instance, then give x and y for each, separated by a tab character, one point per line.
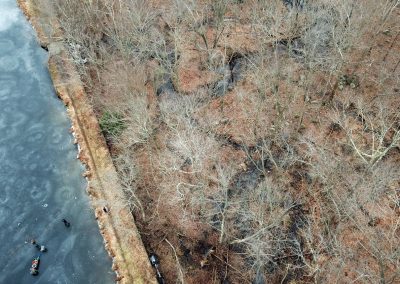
256	143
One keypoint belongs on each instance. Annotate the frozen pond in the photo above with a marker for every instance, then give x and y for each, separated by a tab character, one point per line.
40	178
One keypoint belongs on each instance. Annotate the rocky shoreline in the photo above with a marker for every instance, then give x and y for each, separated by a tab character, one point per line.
117	226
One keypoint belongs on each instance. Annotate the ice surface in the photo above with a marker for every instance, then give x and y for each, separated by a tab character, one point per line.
8	14
40	180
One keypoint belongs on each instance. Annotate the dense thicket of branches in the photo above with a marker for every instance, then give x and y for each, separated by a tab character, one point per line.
274	125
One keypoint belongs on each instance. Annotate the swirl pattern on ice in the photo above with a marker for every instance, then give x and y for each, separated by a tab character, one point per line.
40	179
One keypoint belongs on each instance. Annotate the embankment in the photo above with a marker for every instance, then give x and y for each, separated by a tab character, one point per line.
116	223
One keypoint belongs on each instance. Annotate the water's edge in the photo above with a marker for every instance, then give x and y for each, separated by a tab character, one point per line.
121	238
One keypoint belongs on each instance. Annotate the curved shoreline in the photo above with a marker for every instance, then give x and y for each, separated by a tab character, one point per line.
117	226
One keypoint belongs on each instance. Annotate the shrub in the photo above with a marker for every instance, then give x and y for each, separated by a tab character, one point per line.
112	124
348	80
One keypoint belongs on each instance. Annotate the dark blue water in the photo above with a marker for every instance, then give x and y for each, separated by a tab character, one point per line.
40	178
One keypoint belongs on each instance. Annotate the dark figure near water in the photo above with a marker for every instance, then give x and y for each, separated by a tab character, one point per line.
41	248
66	223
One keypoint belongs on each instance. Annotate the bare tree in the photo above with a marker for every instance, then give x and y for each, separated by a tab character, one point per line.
374	134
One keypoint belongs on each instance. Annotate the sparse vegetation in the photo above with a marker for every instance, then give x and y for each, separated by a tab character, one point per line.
257	141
